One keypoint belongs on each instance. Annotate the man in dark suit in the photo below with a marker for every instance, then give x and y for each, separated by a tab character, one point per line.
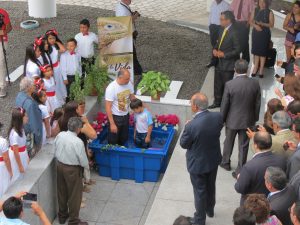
201	139
251	178
293	165
227	51
281	196
240	110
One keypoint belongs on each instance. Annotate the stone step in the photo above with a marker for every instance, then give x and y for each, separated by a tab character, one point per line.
16	74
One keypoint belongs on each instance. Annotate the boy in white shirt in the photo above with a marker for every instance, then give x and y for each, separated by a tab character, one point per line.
86	42
143	124
70	64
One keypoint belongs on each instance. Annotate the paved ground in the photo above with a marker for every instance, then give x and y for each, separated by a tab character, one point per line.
168	48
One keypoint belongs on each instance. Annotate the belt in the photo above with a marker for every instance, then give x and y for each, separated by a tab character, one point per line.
121	116
55	64
22	149
1	159
50	93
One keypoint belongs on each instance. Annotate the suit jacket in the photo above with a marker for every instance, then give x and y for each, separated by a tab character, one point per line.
293	164
231	48
201	138
279	139
280	202
251	179
295	184
241	103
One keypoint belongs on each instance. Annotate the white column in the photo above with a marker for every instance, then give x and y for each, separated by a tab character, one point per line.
208	4
42	8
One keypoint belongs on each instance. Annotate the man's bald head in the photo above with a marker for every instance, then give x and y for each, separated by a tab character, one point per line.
199	102
123	76
263	140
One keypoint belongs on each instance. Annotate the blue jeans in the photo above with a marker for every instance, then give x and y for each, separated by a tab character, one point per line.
140	140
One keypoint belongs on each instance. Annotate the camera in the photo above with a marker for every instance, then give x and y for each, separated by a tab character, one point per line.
136	13
254	128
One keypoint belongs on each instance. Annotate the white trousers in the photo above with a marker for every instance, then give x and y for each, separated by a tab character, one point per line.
2	66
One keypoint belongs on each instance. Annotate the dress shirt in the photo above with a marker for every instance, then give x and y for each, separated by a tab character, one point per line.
283	130
257	153
216	10
70	64
248	7
273	193
239	75
197	113
124	10
69	149
85	44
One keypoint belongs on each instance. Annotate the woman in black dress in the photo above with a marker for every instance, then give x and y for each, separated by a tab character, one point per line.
262	19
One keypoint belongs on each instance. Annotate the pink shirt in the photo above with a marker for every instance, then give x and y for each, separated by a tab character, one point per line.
248	7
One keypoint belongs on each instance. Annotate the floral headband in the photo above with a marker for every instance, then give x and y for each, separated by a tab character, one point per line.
44	68
37	42
39	85
52	31
22	111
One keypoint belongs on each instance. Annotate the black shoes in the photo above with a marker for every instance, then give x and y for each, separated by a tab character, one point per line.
193	222
261	76
234	175
210	213
214	105
225	166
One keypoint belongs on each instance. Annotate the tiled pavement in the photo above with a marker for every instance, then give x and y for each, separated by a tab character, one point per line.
192	11
121	202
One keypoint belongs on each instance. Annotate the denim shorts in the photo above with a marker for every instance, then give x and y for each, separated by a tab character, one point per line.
140	140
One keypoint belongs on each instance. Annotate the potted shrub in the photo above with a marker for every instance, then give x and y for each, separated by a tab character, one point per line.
77	93
154	83
95	80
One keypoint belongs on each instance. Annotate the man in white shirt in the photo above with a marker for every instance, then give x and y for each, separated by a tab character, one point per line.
71	160
123	9
216	8
118	95
86	41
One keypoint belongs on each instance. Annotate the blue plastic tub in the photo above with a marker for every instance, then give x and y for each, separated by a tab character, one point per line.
130	162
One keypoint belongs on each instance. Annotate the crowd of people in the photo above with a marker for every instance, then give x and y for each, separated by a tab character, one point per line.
269	181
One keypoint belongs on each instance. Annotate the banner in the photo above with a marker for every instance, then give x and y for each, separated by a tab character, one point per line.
116	43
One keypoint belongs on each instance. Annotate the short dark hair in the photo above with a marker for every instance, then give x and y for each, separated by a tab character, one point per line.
243	216
229	16
12	208
182	220
241	66
72	40
263	140
294	107
85	22
277	177
296	125
296	210
136	103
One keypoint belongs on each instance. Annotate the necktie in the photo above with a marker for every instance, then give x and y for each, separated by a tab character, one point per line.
72	53
239	14
222	38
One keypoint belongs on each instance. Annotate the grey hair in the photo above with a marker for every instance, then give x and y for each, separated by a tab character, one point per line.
283	119
200	101
74	124
276	177
241	66
26	83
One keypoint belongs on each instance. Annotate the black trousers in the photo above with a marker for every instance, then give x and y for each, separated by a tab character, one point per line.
71	79
214	34
119	138
204	186
243	33
138	70
221	77
228	147
86	63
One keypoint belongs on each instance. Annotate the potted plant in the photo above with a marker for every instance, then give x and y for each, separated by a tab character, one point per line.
154	83
77	93
95	81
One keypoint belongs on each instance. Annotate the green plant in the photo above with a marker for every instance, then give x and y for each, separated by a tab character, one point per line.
95	80
77	93
154	83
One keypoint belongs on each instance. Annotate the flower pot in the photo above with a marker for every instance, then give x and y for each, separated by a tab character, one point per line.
158	97
81	108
